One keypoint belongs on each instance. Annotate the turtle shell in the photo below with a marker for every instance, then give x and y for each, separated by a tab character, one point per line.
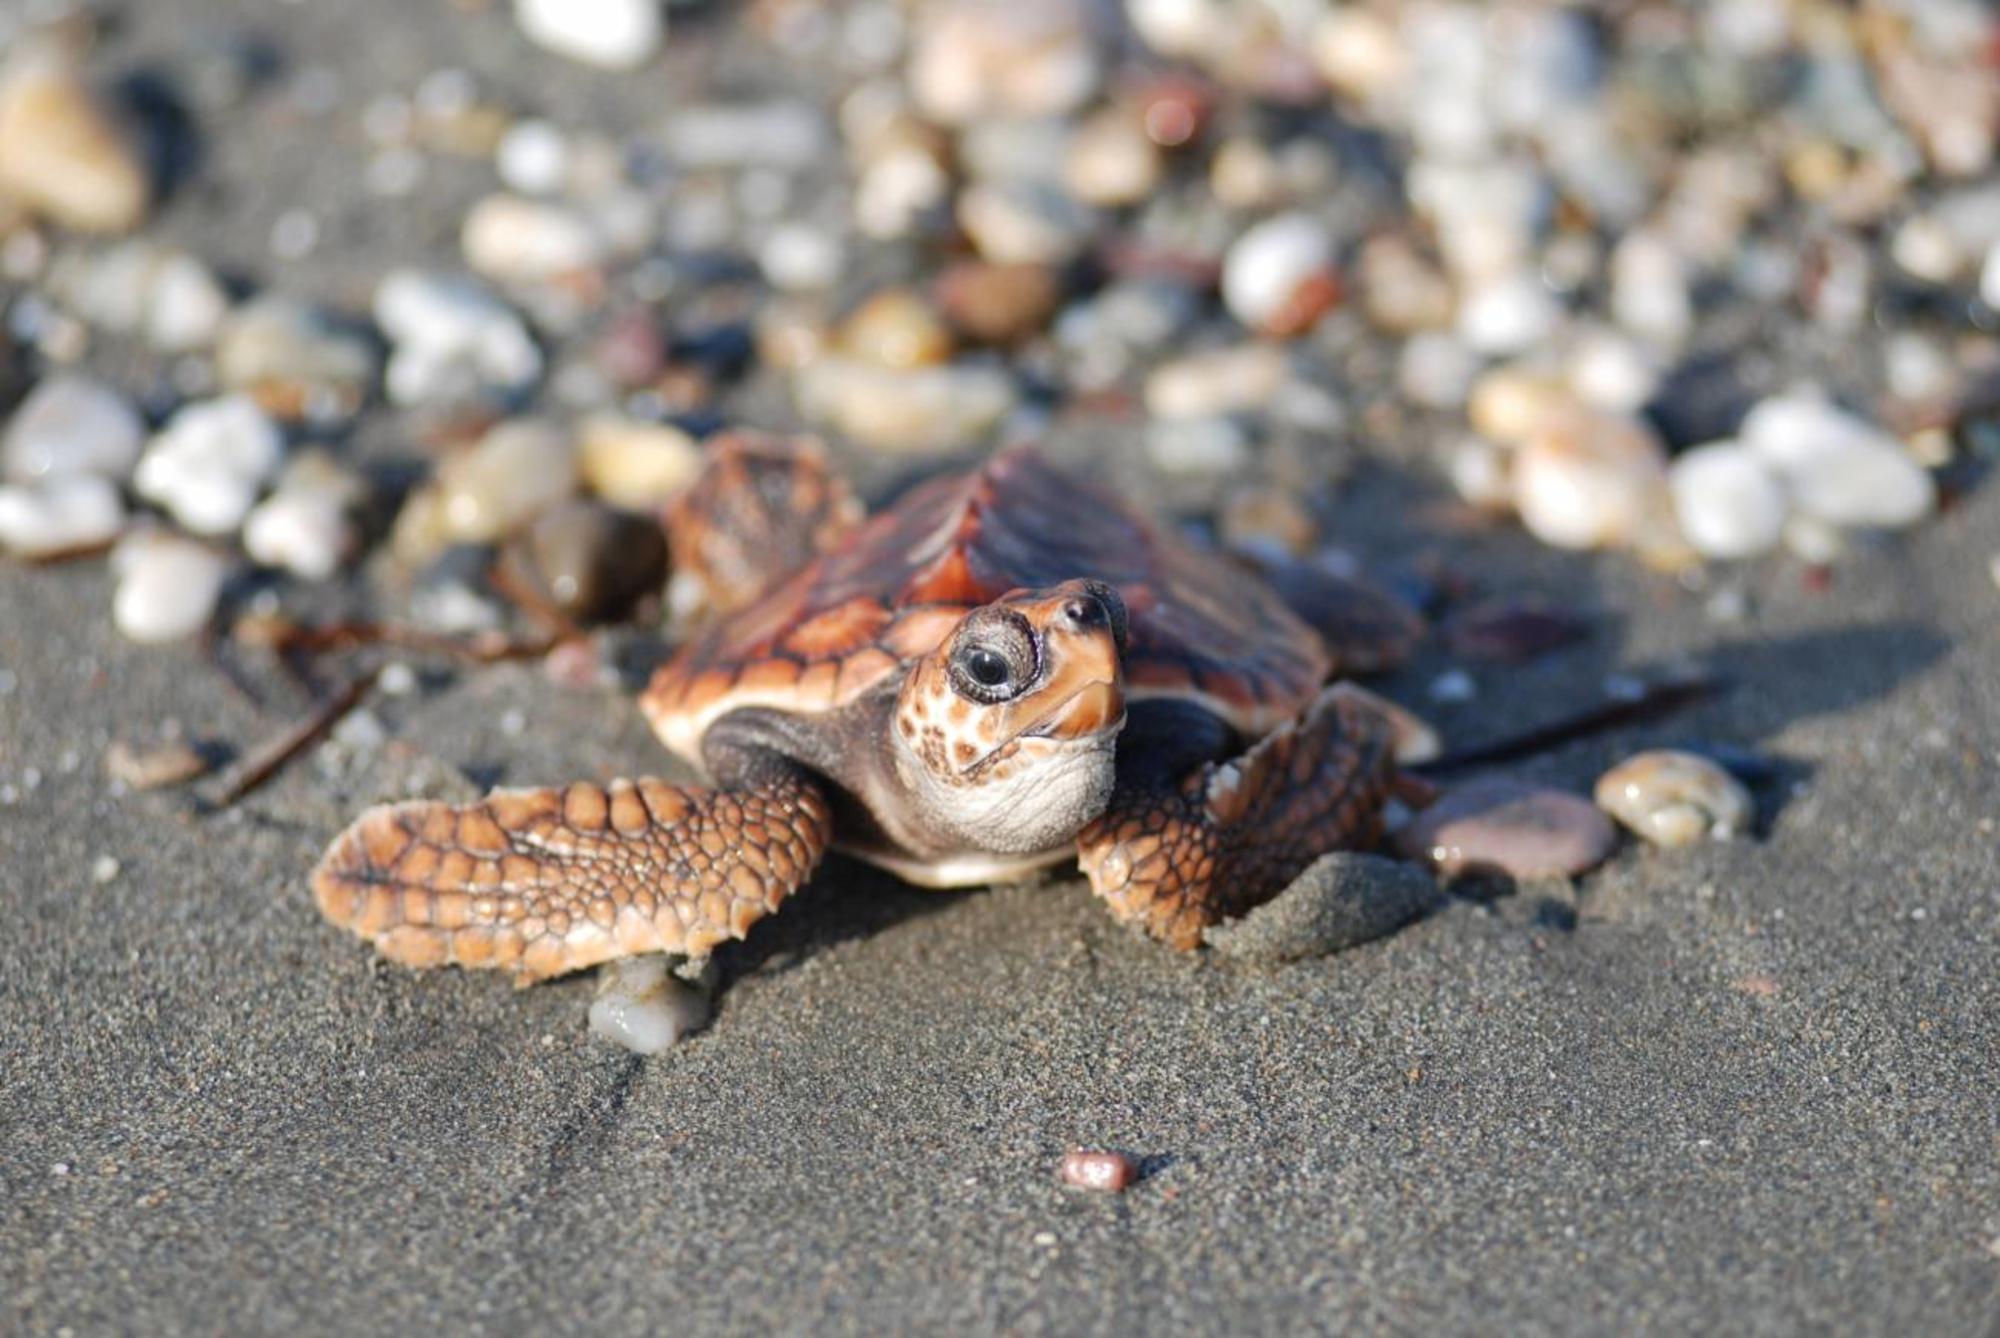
893	589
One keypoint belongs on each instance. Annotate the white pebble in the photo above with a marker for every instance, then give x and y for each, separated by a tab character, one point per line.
1649	290
973	60
919	409
1264	270
798	257
1023	222
104	869
1840	468
517	468
615	34
187	306
644	1007
1234	379
1989	278
1198	447
1611	372
1589	481
1728	502
210	461
59	514
516	240
1508	315
167	586
533	157
71	424
452	338
306	533
1436	369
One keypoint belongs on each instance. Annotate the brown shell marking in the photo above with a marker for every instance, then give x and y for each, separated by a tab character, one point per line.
1199	626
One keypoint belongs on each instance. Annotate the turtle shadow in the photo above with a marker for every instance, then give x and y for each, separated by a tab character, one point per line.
846	901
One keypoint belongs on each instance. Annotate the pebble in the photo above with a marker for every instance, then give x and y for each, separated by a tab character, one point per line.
642	1006
140	287
533	157
452	339
1508	315
1478	470
1498	825
105	870
1649	290
1341	901
1590	480
634	464
1727	500
1278	278
61	154
1402	291
895	328
512	239
784	134
1107	1172
801	258
167	587
295	359
1989	278
1437	370
186	305
1023	222
1198	447
518	468
591	561
1511	405
997	304
174	762
916	410
305	525
1673	798
1111	161
210	462
72	424
614	34
972	60
1233	379
64	513
1838	468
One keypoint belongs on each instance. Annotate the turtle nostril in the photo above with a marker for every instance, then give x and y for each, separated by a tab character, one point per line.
1084	611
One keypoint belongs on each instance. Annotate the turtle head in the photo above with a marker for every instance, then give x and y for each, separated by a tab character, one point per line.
1006	732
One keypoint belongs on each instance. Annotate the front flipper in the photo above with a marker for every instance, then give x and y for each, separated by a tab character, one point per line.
1184	853
548	881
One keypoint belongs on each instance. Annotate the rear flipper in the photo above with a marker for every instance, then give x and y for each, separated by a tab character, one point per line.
1177	857
549	881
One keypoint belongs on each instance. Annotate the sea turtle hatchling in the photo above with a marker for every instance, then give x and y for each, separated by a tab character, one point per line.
1004	670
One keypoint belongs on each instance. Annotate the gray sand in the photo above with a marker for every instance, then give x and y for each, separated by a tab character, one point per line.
1744	1087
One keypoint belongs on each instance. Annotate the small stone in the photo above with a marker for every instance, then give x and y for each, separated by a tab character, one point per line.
1401	291
142	768
65	513
614	34
918	410
533	157
1924	248
1589	481
296	360
1107	1172
515	240
798	257
1478	470
1454	686
1278	278
305	526
71	424
61	154
518	468
1649	290
784	134
971	61
1839	468
105	869
210	462
167	586
1268	520
1728	502
1989	278
452	339
1508	315
1235	379
1198	447
186	306
998	304
1361	54
1437	370
636	465
1244	174
1502	826
1111	162
590	561
1511	405
1673	798
643	1007
1341	901
1609	371
895	328
1023	222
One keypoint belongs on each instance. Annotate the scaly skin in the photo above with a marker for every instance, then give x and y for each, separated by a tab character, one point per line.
1179	857
552	880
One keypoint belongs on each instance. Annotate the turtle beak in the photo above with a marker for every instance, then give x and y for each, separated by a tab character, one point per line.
1091	709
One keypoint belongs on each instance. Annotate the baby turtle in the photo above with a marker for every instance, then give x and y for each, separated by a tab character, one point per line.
1006	669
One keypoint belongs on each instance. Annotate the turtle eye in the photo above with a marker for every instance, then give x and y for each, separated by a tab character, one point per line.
995	659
